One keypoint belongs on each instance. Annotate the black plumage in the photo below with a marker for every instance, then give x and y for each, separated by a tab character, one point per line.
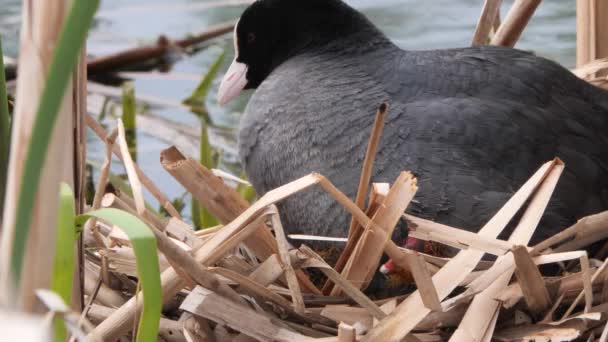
473	124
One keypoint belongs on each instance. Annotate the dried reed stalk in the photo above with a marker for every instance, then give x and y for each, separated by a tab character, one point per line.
591	31
364	261
479	317
489	15
514	24
41	24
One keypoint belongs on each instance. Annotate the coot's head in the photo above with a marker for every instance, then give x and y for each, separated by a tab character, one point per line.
271	31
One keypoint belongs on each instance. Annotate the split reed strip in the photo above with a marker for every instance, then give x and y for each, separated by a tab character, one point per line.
377	195
102	182
458	238
515	22
145	180
290	274
424	282
489	15
592	223
477	320
586	32
412	310
129	166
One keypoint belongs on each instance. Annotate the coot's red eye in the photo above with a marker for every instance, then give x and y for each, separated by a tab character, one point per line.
250	38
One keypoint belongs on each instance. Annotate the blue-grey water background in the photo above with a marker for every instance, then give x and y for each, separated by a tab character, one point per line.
412	24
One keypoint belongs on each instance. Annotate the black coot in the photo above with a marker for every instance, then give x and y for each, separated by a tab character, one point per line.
473	124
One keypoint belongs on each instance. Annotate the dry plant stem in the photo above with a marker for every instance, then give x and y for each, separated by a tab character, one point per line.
489	14
120	321
368	164
591	31
222	201
479	318
412	311
177	256
364	261
377	195
290	274
130	167
99	313
586	292
514	24
531	282
146	181
104	174
252	288
40	28
346	333
139	54
354	231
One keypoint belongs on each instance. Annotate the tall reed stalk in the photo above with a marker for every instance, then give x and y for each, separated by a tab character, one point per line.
5	138
50	47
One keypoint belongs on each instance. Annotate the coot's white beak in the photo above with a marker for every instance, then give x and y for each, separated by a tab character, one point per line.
233	82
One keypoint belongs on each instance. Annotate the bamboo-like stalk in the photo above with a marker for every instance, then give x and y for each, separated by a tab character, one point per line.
40	31
489	15
591	32
514	24
129	117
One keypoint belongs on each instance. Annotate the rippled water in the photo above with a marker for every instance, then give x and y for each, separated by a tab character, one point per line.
412	24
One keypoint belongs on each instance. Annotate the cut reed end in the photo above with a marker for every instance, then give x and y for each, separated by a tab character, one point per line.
171	158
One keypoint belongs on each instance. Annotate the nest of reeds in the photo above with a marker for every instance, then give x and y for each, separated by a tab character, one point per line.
243	281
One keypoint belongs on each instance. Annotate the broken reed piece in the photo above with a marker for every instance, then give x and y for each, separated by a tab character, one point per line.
364	260
314	260
128	163
424	282
355	230
145	180
489	15
104	174
515	22
222	201
531	281
378	193
140	54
